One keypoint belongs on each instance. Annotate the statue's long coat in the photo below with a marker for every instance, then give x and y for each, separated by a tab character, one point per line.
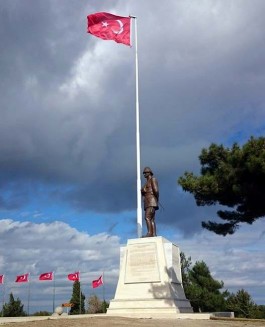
150	192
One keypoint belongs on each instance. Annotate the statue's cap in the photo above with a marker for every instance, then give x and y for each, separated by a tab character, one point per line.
148	170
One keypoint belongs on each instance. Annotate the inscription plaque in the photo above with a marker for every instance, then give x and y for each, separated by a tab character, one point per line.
142	264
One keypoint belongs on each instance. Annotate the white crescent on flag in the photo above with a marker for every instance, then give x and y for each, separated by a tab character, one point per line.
22	278
121	27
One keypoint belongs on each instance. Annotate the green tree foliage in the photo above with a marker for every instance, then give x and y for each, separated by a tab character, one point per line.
95	305
242	305
204	292
185	269
104	306
260	312
75	299
200	288
14	308
232	177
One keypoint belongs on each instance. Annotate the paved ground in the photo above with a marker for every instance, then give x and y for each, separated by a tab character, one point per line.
121	322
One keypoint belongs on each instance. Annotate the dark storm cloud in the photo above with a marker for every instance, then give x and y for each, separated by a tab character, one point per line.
32	44
67	98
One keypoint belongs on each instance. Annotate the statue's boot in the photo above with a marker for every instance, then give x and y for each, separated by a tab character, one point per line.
147	235
153	224
149	228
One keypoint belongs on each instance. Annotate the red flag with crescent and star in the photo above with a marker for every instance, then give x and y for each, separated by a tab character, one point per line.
98	282
73	277
2	279
22	278
110	27
46	276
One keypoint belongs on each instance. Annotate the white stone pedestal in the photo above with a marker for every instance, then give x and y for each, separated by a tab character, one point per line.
150	282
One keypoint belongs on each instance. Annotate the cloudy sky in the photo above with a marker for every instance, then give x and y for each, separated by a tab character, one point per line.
67	134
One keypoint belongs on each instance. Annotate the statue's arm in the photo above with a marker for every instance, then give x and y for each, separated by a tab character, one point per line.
143	190
155	188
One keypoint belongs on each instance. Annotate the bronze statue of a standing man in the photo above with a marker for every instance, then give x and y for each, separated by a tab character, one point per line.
150	194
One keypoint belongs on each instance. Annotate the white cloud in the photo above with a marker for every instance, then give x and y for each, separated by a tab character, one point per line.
38	248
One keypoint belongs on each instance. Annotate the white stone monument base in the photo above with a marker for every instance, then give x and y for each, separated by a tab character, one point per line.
150	282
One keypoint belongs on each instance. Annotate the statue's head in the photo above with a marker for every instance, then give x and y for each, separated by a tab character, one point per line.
148	170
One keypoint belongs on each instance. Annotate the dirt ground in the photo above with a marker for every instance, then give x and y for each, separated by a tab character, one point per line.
120	322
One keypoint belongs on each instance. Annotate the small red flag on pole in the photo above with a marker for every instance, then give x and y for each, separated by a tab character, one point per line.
46	276
2	279
22	278
98	282
73	277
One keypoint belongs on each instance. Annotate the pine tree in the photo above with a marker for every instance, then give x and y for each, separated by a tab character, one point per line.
185	269
75	300
242	305
232	177
202	290
14	308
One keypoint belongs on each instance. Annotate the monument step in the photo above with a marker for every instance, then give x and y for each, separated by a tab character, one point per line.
158	313
151	303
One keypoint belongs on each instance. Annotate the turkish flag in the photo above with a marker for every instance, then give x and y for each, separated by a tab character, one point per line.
46	276
98	282
2	279
110	27
73	277
22	278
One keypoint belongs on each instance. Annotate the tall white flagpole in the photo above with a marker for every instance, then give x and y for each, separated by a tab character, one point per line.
28	293
80	294
3	288
53	293
138	153
103	291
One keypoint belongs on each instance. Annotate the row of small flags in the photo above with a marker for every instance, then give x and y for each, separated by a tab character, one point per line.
50	276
